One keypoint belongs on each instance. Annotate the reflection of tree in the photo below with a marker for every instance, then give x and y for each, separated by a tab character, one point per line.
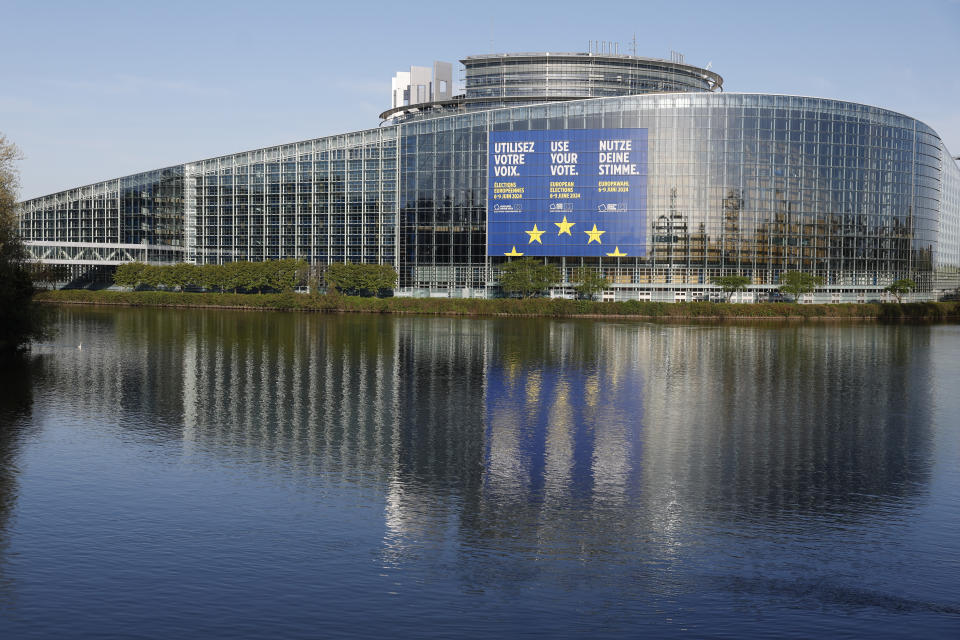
16	404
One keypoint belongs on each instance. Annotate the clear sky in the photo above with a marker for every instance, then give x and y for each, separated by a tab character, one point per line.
97	89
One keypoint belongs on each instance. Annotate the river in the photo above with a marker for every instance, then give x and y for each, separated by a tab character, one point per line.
199	473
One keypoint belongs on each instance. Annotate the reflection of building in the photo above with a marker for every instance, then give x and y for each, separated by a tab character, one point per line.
793	418
527	434
16	407
750	184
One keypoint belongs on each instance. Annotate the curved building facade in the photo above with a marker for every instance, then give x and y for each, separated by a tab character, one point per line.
584	75
511	79
662	192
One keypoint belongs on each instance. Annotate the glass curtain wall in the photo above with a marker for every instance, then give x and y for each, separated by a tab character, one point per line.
583	75
947	257
325	200
738	184
145	208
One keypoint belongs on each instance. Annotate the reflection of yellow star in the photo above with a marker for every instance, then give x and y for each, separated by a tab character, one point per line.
535	234
564	227
616	253
594	235
513	252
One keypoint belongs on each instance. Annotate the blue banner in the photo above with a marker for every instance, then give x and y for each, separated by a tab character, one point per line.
567	193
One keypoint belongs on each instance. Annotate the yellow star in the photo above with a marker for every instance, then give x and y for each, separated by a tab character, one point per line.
535	234
513	252
594	235
616	253
564	227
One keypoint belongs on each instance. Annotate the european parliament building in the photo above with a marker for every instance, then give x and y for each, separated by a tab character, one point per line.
640	168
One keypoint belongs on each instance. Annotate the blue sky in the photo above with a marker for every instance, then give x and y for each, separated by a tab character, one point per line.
98	89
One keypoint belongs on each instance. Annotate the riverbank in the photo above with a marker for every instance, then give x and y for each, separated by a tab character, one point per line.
547	307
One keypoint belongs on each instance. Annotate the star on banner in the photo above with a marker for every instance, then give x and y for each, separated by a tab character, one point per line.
564	227
513	252
535	234
594	234
616	253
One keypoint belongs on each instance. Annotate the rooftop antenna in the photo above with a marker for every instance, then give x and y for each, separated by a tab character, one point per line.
634	42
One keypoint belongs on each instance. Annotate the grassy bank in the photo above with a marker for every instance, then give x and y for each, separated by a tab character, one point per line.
509	307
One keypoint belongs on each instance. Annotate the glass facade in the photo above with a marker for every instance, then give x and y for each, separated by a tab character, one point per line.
579	75
946	263
146	208
738	184
91	229
748	184
326	200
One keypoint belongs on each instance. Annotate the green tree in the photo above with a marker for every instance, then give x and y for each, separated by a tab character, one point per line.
900	288
152	275
366	278
360	279
288	274
182	275
212	277
21	321
589	282
129	274
527	276
258	274
234	275
386	278
798	283
732	284
341	278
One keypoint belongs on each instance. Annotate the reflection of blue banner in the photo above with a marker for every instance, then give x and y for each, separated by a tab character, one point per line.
567	193
568	430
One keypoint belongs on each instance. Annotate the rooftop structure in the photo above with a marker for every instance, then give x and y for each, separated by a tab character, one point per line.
511	79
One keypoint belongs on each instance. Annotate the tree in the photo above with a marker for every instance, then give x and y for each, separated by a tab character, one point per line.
129	274
798	283
386	278
287	274
527	276
182	275
20	319
900	288
152	275
366	278
258	274
341	278
234	275
360	279
589	282
213	276
732	284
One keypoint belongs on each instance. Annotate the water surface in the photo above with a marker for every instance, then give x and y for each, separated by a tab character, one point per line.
169	473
